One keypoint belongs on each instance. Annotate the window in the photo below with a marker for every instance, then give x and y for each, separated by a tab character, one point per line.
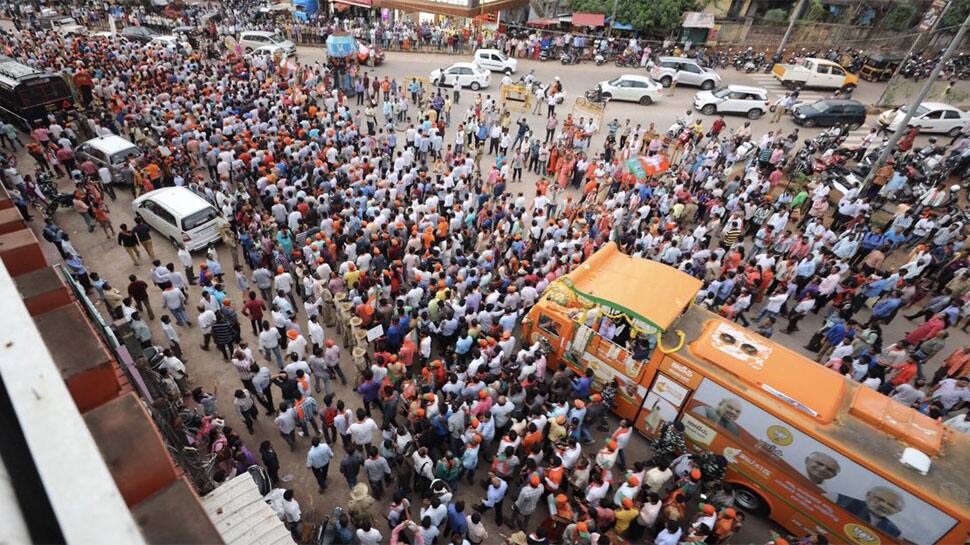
199	218
837	71
96	155
737	95
951	114
692	68
165	215
934	115
550	326
125	154
823	69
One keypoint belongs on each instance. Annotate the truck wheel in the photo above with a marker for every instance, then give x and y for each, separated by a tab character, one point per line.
750	501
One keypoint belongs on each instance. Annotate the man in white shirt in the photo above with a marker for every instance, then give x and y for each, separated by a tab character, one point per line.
292	515
362	432
368	535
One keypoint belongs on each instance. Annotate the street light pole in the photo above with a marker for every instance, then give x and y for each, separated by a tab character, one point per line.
795	13
903	125
919	38
609	28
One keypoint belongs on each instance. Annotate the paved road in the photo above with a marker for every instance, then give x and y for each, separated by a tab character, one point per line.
108	259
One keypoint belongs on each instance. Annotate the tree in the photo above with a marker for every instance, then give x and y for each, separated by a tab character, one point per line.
955	14
654	16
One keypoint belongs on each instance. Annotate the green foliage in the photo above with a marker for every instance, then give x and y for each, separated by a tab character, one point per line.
816	12
777	15
900	18
659	17
955	14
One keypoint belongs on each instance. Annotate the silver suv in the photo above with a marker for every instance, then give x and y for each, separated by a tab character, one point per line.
687	70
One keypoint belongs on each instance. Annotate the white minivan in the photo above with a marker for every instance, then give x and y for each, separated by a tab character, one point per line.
110	151
495	61
180	215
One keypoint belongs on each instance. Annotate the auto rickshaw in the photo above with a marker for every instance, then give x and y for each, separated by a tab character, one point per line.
879	67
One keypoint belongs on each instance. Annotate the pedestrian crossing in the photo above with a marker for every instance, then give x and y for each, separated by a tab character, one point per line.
775	88
854	138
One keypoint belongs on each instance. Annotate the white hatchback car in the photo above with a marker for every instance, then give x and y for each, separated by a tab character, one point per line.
495	60
465	73
631	87
252	39
733	99
929	117
180	215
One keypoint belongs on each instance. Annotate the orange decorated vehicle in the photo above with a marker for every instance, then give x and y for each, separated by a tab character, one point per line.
805	446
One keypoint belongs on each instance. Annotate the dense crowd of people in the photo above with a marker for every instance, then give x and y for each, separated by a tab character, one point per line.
408	202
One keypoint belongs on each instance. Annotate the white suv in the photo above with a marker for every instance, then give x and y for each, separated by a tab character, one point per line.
495	60
687	70
466	74
733	99
252	39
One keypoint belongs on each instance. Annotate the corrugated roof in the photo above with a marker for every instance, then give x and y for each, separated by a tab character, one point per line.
242	517
588	19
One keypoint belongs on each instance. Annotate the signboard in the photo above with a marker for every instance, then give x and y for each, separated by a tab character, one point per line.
822	484
375	333
932	14
661	405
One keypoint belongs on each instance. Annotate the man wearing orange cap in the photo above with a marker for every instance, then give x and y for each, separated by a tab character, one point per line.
526	503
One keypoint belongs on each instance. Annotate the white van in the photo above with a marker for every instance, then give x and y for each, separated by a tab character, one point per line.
109	151
495	61
180	215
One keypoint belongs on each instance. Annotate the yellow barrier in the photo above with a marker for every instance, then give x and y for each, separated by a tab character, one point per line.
516	98
586	108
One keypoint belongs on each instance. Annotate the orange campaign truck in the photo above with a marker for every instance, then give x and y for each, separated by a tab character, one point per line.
807	447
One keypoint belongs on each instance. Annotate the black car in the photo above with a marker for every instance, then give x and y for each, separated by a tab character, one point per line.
830	112
138	34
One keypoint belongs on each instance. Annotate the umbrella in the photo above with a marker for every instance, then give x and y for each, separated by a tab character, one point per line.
341	45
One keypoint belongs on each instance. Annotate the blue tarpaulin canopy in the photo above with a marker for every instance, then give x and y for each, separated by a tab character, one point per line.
341	45
618	25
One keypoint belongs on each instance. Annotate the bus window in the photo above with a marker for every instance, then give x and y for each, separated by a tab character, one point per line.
549	326
38	92
833	490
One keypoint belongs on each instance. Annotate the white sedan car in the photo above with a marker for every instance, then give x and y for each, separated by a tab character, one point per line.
633	88
929	117
465	73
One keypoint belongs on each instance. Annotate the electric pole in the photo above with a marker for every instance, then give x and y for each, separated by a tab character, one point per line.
795	13
903	125
919	38
609	28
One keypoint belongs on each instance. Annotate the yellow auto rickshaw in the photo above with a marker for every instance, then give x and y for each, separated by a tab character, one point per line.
879	67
